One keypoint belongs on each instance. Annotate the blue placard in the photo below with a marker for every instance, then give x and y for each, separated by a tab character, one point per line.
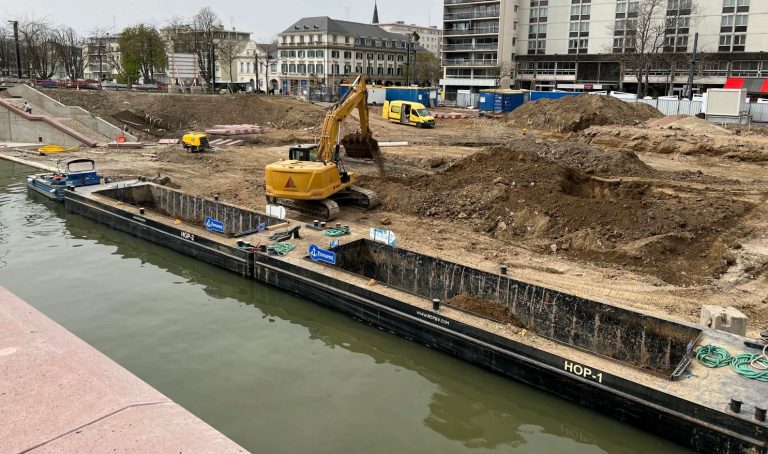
321	255
213	225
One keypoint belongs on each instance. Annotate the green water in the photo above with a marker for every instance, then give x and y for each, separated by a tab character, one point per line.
273	372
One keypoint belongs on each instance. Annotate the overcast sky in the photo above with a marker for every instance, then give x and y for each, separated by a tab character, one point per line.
262	18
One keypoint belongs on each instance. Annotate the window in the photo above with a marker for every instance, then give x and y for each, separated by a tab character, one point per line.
347	54
369	70
575	27
400	58
369	56
380	70
301	68
334	54
584	27
741	19
319	54
318	68
729	3
739	40
390	57
390	71
532	45
725	40
301	54
380	57
632	7
575	10
292	68
399	70
367	42
573	43
283	68
359	55
681	41
621	7
347	69
242	67
311	53
726	20
311	68
359	69
378	43
543	12
585	10
618	43
619	25
742	2
388	43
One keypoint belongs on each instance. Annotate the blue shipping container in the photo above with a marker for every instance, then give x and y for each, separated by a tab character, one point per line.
487	98
512	101
412	94
535	95
343	89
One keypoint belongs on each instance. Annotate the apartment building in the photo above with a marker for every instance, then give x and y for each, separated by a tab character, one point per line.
430	38
578	44
323	52
479	43
100	54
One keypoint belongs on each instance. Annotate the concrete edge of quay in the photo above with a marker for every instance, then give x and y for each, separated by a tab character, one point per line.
60	394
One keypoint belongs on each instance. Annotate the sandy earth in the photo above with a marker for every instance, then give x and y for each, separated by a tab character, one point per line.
708	237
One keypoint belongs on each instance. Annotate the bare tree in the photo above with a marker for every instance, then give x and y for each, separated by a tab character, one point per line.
69	51
36	38
269	56
204	26
653	33
228	50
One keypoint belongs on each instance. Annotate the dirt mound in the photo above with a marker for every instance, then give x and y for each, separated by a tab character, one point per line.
515	195
575	113
187	112
686	123
484	308
594	161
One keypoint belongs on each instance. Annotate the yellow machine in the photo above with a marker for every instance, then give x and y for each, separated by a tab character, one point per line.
195	141
408	113
313	178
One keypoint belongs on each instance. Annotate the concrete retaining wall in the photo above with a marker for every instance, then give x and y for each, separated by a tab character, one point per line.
18	126
650	343
58	109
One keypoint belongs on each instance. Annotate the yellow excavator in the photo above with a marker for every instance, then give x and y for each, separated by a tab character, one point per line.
313	180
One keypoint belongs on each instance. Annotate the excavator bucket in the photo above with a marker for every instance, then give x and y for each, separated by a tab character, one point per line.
361	146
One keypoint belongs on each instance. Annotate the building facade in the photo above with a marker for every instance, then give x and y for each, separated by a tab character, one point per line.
479	43
321	53
583	44
430	38
101	54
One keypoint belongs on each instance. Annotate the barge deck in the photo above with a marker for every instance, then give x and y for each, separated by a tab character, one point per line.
632	366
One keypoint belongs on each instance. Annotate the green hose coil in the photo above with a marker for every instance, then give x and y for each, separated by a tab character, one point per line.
750	366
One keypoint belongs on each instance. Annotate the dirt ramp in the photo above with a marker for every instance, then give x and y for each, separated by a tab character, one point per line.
575	113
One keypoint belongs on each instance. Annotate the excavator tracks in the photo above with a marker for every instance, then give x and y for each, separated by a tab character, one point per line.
328	209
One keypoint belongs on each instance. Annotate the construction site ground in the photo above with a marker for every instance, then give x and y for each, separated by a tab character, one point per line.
662	214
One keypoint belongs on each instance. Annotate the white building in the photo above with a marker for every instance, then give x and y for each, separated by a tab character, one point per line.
430	38
321	52
479	42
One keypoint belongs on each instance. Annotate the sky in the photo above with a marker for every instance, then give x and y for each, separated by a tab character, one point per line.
264	19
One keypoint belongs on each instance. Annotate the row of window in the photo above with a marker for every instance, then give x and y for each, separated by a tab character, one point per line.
731	3
318	39
336	54
318	69
734	19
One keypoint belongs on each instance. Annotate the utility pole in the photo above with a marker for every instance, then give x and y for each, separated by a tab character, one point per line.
16	40
693	66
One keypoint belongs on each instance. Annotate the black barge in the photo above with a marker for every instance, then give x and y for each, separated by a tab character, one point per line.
632	366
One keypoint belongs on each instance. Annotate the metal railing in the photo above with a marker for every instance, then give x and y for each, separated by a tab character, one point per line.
471	31
474	15
470	62
460	47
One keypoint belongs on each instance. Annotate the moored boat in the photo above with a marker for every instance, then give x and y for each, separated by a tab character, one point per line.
69	174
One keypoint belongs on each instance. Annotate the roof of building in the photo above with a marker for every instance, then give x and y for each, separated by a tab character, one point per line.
326	24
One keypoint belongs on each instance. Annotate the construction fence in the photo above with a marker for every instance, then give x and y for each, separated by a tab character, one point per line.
757	112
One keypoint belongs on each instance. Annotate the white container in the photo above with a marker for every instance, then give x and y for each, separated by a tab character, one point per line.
725	102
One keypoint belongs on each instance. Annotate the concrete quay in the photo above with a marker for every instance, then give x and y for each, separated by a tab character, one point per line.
58	394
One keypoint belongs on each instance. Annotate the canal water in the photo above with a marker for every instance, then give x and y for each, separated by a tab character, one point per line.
273	372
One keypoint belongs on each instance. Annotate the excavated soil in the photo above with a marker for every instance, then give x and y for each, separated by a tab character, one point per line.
185	112
484	308
576	113
513	194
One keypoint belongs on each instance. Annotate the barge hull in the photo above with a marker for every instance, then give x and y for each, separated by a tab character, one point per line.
683	421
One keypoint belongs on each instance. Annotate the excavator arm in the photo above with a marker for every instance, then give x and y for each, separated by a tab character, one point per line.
358	145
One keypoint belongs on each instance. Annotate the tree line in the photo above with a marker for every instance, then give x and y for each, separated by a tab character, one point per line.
48	49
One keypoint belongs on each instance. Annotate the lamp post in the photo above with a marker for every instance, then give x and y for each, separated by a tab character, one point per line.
214	41
16	40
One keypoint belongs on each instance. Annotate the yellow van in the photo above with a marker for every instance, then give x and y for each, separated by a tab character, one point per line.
408	113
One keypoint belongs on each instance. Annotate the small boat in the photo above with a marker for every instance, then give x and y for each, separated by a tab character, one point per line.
69	174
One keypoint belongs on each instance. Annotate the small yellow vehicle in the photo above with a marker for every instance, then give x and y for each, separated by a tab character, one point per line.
194	142
408	113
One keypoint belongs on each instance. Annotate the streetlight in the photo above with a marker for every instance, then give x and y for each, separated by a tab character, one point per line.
213	64
16	39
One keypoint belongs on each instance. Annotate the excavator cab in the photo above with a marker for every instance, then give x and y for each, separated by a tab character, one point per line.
303	152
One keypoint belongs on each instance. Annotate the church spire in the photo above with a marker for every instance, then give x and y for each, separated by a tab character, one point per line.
375	13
